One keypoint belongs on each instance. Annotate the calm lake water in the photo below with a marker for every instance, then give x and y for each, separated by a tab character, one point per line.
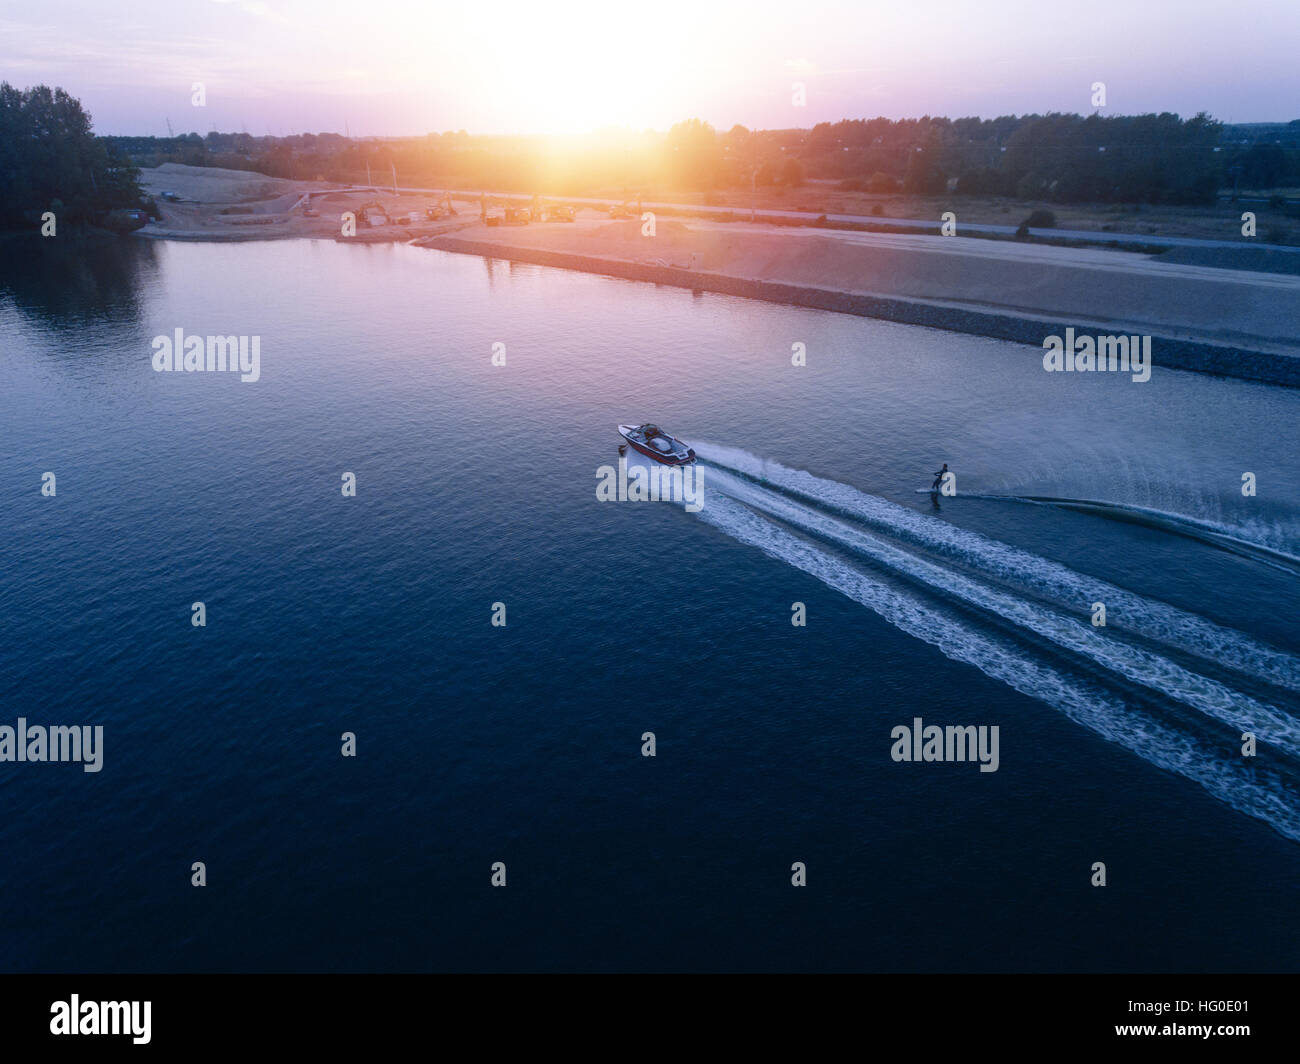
476	484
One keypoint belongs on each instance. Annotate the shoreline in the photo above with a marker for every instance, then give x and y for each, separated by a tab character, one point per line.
1174	352
1231	313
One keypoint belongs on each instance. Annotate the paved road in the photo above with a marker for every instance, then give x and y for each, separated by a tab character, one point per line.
1047	254
1084	235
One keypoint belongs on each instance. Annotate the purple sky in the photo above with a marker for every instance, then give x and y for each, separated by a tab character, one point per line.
394	68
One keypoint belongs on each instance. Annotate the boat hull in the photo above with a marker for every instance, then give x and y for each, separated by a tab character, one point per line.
663	459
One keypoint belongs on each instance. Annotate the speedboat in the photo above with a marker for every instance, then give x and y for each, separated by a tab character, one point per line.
653	442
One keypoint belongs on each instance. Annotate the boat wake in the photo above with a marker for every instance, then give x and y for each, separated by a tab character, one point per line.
1209	532
1171	686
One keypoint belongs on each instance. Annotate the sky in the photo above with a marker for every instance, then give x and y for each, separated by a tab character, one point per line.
391	68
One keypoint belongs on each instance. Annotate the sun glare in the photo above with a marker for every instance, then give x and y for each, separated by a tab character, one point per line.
576	69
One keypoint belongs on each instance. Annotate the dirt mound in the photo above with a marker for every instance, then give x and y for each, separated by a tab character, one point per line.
205	184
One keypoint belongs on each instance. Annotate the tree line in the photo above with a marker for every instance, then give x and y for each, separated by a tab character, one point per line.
50	160
1063	158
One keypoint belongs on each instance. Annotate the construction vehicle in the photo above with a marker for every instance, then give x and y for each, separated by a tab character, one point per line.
373	214
441	209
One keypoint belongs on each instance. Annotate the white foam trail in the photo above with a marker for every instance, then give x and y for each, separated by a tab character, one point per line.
1143	616
1253	792
1141	666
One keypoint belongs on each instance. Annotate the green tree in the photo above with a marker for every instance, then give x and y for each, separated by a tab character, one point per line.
48	153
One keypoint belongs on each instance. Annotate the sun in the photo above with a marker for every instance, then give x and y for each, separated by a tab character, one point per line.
568	67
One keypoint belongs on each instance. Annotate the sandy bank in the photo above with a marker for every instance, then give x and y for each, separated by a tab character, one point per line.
237	205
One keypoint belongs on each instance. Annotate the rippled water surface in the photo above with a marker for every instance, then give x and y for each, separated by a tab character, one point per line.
476	485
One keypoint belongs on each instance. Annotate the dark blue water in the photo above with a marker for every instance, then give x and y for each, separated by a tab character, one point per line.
522	744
